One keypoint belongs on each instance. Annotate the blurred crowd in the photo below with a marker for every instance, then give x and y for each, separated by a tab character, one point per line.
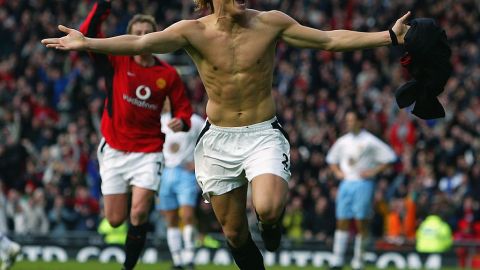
51	103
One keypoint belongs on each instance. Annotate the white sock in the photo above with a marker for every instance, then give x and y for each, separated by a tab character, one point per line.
174	240
188	243
340	242
358	252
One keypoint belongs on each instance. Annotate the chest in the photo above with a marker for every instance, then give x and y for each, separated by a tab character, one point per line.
147	84
240	50
357	149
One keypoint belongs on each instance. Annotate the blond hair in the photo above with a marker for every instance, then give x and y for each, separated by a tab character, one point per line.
204	4
142	18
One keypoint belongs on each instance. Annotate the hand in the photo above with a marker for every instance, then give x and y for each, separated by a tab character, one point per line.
367	174
175	124
339	174
400	28
74	40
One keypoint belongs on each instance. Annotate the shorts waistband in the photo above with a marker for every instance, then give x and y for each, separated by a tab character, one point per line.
265	125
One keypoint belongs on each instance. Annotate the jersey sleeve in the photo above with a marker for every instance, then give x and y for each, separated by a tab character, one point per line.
91	27
333	156
181	107
383	153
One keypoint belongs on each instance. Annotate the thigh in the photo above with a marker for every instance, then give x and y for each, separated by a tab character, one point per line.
141	200
230	210
363	197
269	194
116	208
186	190
344	201
167	195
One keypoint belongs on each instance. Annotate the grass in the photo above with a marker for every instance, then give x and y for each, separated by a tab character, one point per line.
25	265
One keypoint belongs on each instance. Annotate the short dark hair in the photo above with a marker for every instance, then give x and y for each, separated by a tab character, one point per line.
359	114
142	18
204	4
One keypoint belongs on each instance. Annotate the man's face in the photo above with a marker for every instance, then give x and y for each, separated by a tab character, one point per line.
141	28
353	124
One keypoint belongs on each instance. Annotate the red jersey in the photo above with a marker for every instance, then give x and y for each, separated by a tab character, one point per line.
131	118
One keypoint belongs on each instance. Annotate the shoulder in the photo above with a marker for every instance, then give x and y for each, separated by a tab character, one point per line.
339	142
344	138
371	137
163	66
367	134
186	26
275	17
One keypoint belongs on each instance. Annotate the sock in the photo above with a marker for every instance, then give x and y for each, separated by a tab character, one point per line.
340	241
248	256
136	237
188	244
174	240
358	252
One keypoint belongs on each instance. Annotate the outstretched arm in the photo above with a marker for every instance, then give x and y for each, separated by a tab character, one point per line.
168	40
298	35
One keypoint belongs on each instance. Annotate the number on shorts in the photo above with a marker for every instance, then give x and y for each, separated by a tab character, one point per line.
285	162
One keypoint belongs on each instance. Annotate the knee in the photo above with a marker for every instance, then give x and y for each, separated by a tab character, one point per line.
270	215
138	215
171	219
236	237
187	218
115	220
343	225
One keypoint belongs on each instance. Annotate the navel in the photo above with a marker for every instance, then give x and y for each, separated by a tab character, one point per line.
215	68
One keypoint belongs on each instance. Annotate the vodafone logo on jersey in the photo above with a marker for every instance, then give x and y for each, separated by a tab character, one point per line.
143	92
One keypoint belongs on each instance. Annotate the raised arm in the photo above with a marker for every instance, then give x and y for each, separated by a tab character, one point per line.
168	40
298	35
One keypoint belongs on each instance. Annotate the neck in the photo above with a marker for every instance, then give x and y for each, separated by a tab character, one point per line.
356	131
225	20
144	60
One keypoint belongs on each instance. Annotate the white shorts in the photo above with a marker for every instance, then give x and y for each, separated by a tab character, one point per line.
120	170
229	157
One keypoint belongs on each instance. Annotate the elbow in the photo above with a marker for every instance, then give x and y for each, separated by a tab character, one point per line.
140	49
141	46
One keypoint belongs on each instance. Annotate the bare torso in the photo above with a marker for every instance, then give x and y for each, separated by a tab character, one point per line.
235	62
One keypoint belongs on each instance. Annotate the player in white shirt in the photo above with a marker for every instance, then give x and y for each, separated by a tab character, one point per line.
355	158
179	190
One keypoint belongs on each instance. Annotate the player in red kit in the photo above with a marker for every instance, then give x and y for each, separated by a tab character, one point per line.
130	154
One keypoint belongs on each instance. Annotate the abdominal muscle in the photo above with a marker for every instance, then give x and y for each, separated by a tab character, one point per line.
247	102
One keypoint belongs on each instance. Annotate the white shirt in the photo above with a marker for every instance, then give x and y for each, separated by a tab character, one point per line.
179	146
355	153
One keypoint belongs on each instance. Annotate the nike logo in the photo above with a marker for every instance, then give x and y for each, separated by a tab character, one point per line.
131	74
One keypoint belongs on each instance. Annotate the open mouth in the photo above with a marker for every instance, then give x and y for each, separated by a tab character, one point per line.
240	2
